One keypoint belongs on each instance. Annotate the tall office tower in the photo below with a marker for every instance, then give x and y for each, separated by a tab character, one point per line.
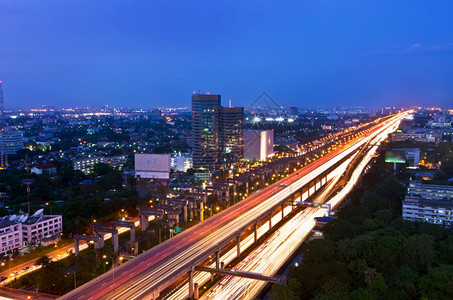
231	134
205	131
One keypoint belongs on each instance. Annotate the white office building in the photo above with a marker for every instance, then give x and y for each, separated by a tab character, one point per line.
20	230
181	162
428	203
152	166
37	228
258	144
86	164
10	235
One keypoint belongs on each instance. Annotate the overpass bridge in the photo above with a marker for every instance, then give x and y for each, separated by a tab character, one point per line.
151	272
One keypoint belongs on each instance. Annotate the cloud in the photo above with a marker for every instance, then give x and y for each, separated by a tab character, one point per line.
415	48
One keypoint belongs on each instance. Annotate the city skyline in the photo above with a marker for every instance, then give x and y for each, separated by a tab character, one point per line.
348	54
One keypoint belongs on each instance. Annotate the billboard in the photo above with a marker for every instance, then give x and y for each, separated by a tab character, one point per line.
395	157
258	144
156	166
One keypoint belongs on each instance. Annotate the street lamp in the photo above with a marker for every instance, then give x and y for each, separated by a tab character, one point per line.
120	258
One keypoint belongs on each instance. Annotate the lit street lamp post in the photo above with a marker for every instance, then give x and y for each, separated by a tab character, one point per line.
120	258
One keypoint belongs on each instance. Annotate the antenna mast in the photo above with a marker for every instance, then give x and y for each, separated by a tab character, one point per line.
28	185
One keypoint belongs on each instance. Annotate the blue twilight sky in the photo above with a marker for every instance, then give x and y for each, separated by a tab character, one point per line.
149	53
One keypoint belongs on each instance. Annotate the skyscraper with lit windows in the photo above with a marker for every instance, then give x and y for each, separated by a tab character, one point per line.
205	131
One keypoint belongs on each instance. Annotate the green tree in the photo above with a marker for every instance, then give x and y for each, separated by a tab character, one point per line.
52	278
43	261
438	283
420	252
320	251
101	169
369	225
282	291
378	285
361	294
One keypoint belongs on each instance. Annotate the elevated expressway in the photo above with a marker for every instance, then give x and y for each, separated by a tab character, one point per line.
272	254
151	272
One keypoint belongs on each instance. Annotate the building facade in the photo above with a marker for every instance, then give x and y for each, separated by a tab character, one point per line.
258	144
19	230
428	203
231	134
412	156
205	131
152	166
181	162
86	164
11	141
10	235
39	227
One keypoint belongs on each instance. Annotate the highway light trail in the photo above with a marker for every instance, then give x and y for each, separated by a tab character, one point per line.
202	277
269	257
162	265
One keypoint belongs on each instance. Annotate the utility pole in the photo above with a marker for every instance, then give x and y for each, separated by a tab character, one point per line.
28	184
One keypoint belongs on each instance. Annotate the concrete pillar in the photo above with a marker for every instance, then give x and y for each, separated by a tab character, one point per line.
97	242
195	294
190	283
101	235
283	211
185	212
76	247
132	234
238	246
222	265
115	242
217	259
202	212
143	222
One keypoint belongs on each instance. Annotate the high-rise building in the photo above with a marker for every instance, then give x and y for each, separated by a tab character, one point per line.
11	141
231	134
205	131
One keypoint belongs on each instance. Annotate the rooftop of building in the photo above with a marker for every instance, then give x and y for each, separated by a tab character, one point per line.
24	218
415	184
420	201
6	222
